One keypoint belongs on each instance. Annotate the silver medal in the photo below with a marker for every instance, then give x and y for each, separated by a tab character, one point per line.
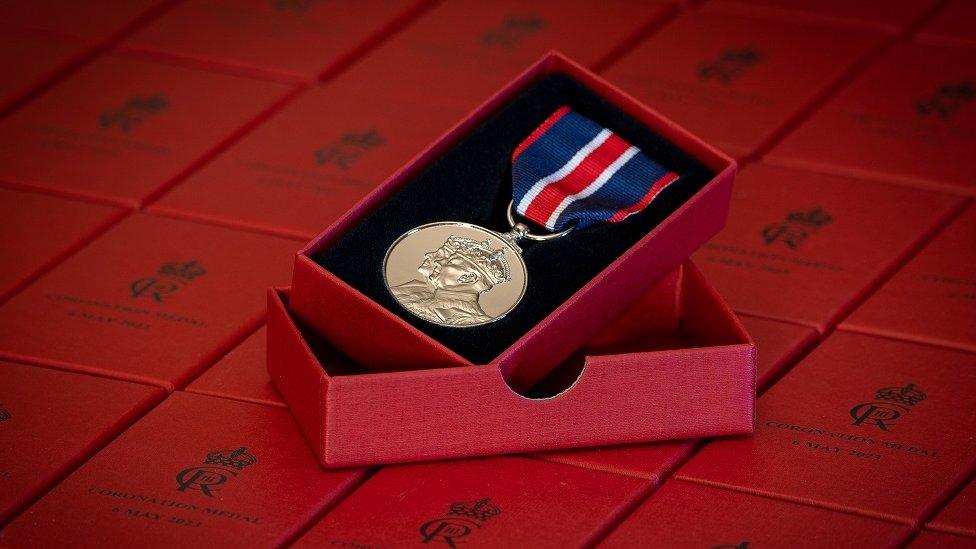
458	274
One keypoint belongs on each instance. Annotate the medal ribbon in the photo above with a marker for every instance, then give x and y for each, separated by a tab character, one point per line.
573	172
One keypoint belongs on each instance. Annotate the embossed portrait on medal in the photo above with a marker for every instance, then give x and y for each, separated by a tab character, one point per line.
455	274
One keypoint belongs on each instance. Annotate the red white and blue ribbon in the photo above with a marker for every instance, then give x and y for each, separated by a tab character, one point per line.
571	172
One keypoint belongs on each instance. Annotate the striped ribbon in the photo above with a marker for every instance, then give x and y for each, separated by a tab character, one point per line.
572	172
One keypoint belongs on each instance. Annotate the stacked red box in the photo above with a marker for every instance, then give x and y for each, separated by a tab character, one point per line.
887	16
31	60
951	25
51	421
100	20
908	119
295	174
196	471
153	300
806	247
242	374
683	514
738	82
122	129
284	39
864	425
39	231
929	300
959	516
492	502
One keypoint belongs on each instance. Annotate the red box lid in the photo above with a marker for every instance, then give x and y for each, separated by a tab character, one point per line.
196	471
938	540
30	60
153	300
242	374
804	247
778	346
655	461
905	120
952	25
119	115
39	231
840	431
889	16
682	514
497	502
290	39
929	300
51	421
737	82
959	516
93	20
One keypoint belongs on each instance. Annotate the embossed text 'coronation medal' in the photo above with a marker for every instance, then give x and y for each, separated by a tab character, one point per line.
570	173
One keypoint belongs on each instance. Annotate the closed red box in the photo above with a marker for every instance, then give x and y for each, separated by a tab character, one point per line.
98	20
959	516
153	300
682	514
738	82
196	471
805	247
930	300
697	359
952	25
908	119
536	347
938	540
496	502
37	232
295	175
121	129
888	16
242	374
778	345
865	425
51	421
31	60
289	39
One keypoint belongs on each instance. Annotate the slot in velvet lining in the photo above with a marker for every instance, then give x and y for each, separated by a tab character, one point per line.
472	183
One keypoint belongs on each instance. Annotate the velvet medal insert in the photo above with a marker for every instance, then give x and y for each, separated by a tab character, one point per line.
577	285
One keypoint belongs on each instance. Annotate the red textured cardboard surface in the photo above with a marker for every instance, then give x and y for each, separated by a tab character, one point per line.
51	421
952	25
737	81
778	345
134	305
931	299
682	341
653	461
889	16
37	231
121	129
30	60
804	247
907	119
316	291
825	436
938	540
153	487
242	374
682	514
93	20
291	39
959	516
496	502
295	175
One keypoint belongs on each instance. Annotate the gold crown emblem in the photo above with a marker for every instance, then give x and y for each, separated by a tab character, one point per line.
491	263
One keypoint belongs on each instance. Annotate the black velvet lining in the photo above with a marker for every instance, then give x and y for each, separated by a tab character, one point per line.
472	183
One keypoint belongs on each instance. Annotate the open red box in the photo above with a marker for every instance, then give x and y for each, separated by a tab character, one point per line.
524	355
676	365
